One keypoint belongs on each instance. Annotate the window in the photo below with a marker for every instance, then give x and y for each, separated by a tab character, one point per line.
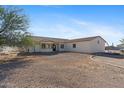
74	45
43	45
98	42
49	46
62	46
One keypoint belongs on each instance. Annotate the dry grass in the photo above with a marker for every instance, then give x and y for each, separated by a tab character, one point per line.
6	57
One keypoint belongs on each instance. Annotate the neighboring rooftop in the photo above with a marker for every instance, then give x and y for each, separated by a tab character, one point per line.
112	48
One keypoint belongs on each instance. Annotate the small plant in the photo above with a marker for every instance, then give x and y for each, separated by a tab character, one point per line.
122	51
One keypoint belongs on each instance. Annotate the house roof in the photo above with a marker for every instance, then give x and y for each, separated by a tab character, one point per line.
85	39
49	39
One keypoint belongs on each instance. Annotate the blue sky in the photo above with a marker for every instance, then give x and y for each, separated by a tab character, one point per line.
77	21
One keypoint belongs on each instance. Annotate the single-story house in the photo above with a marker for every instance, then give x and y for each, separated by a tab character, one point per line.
87	45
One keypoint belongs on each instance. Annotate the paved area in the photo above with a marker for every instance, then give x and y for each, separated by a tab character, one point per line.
59	70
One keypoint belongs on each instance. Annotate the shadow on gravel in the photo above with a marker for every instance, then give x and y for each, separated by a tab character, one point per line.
38	53
111	55
7	67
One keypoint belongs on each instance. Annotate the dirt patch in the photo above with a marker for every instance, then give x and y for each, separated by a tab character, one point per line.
60	70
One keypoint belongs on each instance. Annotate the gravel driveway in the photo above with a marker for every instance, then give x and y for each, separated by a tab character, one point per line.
61	70
110	61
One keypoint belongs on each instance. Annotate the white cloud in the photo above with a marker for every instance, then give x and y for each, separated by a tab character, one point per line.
111	33
83	23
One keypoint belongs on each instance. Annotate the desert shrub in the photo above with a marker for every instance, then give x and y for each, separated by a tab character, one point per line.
122	51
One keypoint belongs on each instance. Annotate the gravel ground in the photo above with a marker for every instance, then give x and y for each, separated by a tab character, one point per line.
58	71
110	61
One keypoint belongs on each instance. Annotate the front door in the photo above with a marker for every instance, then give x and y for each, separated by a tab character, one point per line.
54	47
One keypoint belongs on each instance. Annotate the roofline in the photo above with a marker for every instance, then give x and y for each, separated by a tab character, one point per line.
94	37
70	40
102	38
50	37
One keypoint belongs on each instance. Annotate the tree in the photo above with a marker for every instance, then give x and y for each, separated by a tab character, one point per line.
122	41
122	44
13	25
26	41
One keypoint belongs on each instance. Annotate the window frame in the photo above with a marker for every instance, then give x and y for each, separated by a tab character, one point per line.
43	45
74	45
48	46
62	46
98	42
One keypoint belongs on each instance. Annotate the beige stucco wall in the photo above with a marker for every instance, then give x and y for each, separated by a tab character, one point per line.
39	49
95	47
61	49
80	47
86	46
